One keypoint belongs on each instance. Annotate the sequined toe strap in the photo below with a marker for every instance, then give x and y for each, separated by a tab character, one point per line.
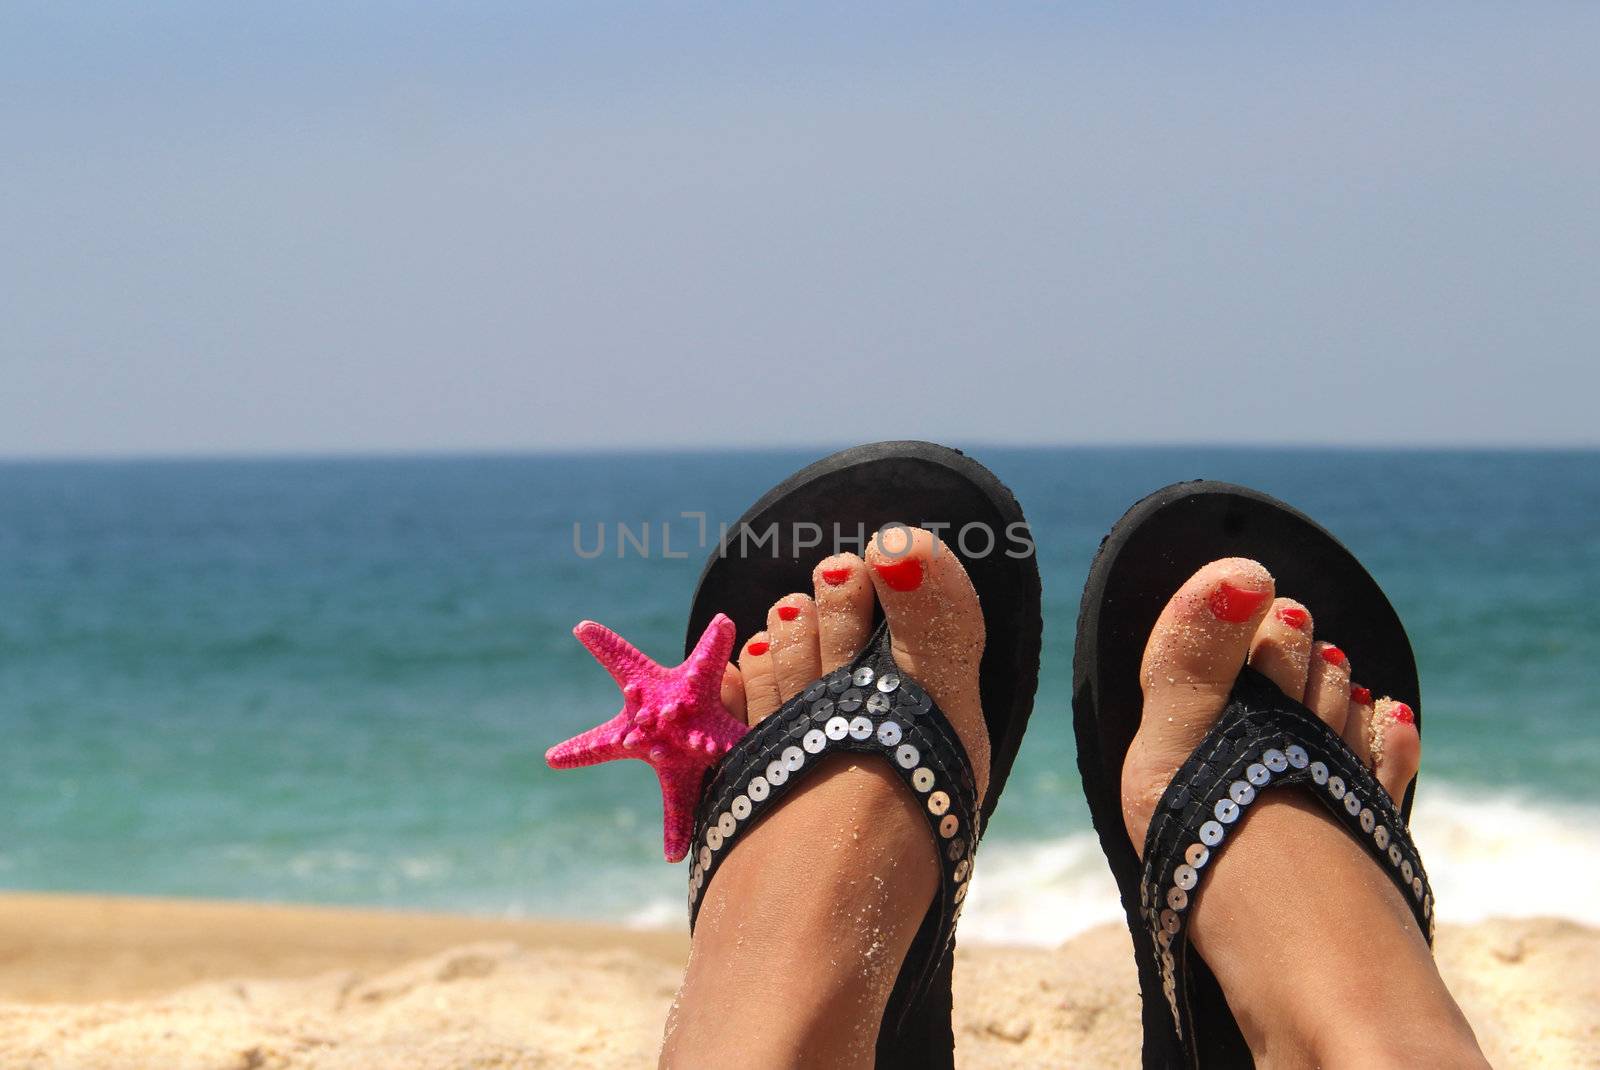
1263	739
867	707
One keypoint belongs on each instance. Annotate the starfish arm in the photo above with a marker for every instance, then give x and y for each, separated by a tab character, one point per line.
624	661
679	793
602	743
706	663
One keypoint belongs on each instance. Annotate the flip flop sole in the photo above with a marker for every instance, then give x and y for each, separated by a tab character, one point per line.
1147	556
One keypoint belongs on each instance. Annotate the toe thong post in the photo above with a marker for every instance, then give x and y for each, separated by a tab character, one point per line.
1262	740
868	707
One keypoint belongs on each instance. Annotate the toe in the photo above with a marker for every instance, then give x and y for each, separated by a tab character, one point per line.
1328	685
1396	747
733	692
844	608
936	625
792	626
1201	640
760	678
1195	651
1357	731
1281	648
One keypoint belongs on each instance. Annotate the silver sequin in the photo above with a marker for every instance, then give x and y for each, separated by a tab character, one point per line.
1257	774
1275	760
740	807
1177	898
1369	821
837	728
726	824
1394	854
907	756
1163	938
1170	921
1241	793
922	779
714	839
1227	811
821	711
938	802
1185	877
962	868
1297	756
758	789
948	825
860	728
1211	833
776	773
850	701
1406	872
1416	888
705	857
814	741
1319	773
793	758
863	676
1336	787
888	682
878	703
1197	855
889	734
1352	804
1380	836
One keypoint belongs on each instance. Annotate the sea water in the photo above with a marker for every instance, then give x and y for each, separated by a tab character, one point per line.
333	680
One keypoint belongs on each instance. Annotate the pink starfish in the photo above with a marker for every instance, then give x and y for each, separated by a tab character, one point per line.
672	718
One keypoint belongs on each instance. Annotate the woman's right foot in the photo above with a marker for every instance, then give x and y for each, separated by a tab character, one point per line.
1318	954
801	936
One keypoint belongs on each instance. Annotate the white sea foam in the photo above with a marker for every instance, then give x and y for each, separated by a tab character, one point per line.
1488	855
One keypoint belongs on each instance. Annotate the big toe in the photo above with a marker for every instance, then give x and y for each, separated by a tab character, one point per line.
936	625
1196	649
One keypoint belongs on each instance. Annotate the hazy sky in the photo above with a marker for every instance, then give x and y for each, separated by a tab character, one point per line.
460	226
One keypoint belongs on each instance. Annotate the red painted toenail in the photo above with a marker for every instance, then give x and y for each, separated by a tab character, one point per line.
757	649
1235	604
1360	696
788	612
903	575
1403	714
1294	617
1332	655
835	576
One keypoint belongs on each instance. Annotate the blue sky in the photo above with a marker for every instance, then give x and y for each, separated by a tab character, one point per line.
233	229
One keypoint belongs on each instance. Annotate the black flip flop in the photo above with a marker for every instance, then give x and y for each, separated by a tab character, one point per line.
871	706
1262	739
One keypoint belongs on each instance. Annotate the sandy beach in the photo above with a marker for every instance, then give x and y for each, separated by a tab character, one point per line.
98	982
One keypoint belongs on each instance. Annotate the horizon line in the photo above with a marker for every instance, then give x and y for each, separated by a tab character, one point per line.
489	452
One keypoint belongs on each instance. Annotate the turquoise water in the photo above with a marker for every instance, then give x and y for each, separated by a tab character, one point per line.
334	680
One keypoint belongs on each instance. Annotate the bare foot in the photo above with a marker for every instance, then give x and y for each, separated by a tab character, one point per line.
802	934
1318	954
